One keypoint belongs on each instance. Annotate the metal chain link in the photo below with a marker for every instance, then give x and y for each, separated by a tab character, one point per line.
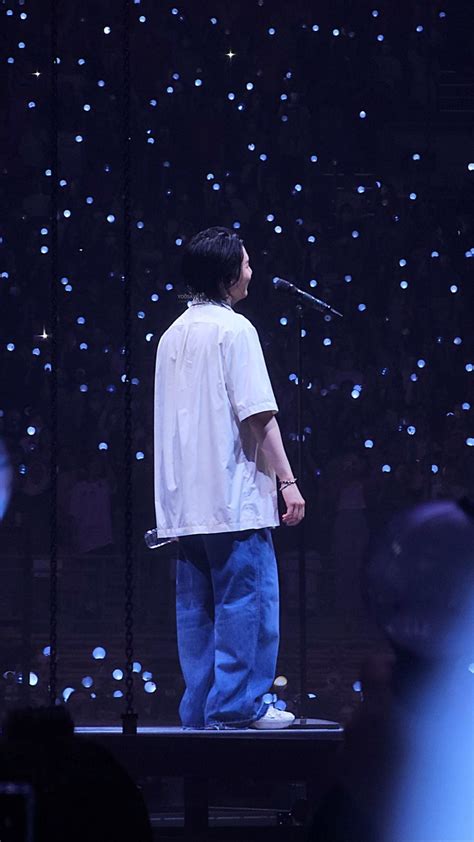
53	569
129	718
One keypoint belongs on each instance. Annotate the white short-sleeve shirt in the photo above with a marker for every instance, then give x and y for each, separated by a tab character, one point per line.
210	474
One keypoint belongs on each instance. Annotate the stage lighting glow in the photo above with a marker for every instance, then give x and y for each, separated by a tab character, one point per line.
361	308
270	217
149	337
83	387
361	189
283	321
87	681
31	431
278	229
313	283
314	159
263	156
421	363
139	455
404	284
457	340
216	186
136	666
67	693
416	157
33	680
348	279
327	341
362	115
411	430
298	188
375	13
86	107
470	441
466	406
386	469
453	288
99	653
357	687
272	30
36	352
369	443
355	394
435	254
32	104
11	346
231	97
355	235
413	377
110	218
150	687
147	675
117	674
117	694
89	200
469	367
103	445
434	469
79	138
197	83
47	651
412	196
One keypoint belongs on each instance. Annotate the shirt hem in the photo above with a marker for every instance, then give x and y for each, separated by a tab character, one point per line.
201	529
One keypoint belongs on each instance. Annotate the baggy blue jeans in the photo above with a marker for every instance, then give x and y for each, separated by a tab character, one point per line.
227	608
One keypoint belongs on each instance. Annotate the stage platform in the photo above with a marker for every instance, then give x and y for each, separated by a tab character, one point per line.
305	752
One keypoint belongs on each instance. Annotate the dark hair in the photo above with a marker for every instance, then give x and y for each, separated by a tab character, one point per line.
212	259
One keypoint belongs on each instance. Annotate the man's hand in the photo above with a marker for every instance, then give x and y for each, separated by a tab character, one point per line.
294	505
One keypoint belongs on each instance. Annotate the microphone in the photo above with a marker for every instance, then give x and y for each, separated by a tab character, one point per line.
305	297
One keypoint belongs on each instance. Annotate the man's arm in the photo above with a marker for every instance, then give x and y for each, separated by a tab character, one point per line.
267	433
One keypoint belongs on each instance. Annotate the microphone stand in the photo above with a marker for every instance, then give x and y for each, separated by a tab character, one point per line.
301	532
309	300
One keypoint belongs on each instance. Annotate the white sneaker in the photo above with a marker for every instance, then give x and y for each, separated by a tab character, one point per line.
273	719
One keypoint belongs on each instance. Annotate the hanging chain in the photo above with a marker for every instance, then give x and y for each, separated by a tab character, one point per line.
129	718
53	569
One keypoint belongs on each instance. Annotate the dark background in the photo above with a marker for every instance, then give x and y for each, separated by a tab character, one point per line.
382	228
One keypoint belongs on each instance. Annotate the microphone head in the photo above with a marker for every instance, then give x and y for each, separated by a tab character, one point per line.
280	283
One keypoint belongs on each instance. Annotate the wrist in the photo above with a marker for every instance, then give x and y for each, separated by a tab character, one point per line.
285	483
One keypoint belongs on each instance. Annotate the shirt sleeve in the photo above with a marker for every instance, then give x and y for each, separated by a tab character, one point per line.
247	382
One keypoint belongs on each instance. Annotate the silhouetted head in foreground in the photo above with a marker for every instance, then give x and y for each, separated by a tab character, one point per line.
80	791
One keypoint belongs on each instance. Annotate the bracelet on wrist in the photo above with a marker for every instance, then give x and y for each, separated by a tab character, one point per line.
286	482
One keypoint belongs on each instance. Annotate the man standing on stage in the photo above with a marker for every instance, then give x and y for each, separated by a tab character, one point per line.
218	451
